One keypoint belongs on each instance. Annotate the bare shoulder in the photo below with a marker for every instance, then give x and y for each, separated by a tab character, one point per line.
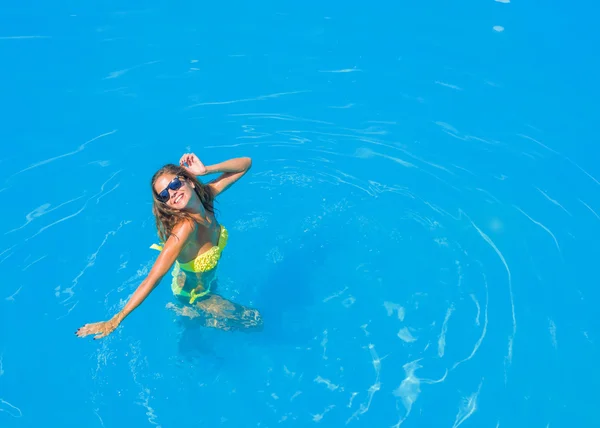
183	230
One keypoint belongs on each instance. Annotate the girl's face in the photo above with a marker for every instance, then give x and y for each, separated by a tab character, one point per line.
174	191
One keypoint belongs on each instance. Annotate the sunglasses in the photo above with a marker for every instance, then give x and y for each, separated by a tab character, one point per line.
175	184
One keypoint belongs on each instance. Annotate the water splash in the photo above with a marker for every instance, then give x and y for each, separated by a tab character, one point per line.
364	407
467	408
391	307
442	337
406	335
330	386
410	388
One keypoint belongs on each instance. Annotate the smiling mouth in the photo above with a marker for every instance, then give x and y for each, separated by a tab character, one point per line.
178	198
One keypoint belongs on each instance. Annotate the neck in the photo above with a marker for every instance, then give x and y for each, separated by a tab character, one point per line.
197	209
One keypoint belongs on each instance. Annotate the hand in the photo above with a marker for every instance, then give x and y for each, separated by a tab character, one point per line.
194	165
100	329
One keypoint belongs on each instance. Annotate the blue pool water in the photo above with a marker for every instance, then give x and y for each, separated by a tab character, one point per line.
419	228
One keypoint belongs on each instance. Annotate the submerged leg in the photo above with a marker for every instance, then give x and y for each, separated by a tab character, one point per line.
211	310
217	312
226	315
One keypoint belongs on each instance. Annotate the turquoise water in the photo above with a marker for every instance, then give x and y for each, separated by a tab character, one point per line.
418	229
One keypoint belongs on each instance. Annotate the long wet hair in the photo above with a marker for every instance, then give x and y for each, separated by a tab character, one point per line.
166	217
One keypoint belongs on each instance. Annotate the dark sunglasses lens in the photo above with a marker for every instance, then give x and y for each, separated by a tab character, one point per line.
163	196
175	184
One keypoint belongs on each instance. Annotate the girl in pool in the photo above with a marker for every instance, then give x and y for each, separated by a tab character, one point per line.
193	241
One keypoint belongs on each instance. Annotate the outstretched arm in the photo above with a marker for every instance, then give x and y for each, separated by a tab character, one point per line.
163	263
231	170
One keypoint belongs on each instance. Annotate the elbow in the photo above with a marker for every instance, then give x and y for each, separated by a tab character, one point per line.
248	163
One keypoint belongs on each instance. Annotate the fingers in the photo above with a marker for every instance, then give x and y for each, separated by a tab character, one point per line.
185	159
86	330
188	159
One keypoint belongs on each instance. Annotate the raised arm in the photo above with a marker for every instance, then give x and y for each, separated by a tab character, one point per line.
161	266
231	170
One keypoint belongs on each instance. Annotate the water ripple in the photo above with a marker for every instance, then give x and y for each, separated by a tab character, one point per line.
510	290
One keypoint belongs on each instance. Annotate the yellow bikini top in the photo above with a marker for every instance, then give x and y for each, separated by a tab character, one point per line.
207	260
